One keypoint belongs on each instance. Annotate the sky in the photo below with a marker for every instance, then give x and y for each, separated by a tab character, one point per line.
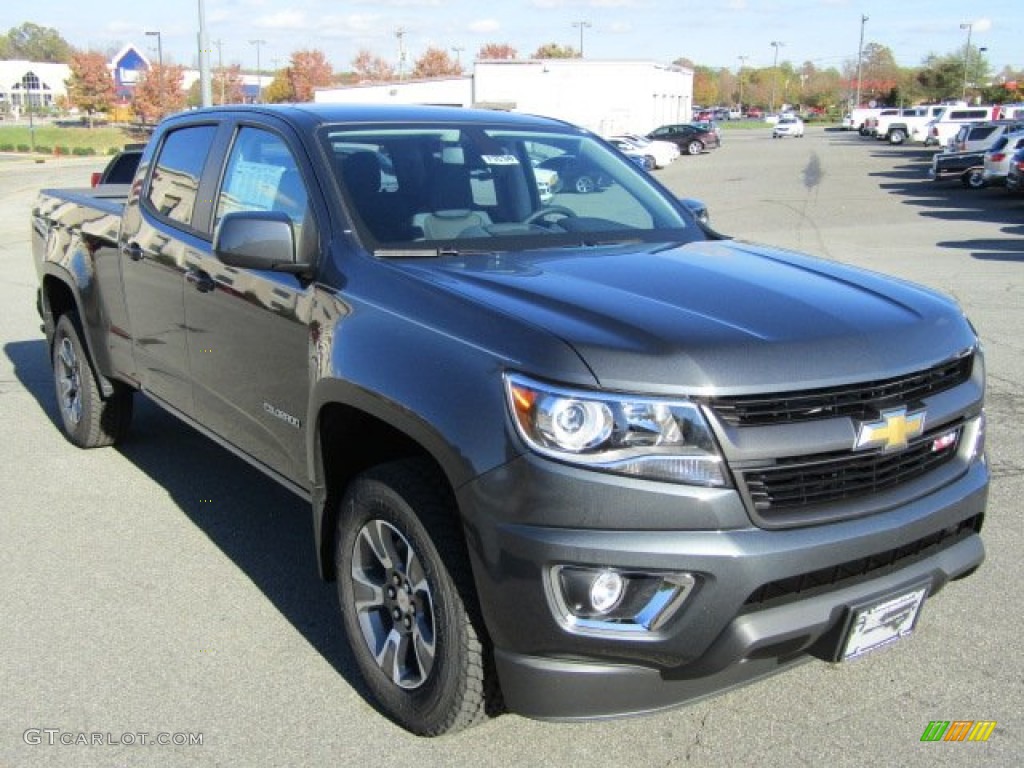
714	33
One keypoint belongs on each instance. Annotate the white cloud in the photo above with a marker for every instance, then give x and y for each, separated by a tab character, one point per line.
282	20
983	25
484	26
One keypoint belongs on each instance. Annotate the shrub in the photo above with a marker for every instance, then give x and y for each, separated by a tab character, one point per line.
24	148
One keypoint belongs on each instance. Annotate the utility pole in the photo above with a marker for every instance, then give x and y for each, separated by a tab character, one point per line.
259	76
204	59
220	67
160	59
775	72
967	55
860	57
400	34
743	63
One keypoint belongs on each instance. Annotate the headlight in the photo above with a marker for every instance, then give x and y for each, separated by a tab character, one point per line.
654	438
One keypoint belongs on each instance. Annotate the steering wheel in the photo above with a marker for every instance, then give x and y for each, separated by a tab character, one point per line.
549	210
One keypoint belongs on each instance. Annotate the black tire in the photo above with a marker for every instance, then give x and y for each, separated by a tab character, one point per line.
694	147
585	185
408	603
897	136
89	420
974	179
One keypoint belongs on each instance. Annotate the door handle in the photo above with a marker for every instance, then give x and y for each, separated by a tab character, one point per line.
133	251
200	280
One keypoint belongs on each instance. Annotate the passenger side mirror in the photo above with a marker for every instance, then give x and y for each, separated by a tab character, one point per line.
257	240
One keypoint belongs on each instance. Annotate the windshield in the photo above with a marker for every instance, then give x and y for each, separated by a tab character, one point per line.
464	188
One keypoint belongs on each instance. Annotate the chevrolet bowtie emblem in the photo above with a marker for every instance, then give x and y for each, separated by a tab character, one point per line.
892	432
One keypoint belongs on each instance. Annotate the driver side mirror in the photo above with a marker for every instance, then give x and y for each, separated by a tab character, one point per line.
258	240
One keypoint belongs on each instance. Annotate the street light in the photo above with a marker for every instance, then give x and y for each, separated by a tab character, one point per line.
860	57
457	50
582	25
160	59
259	78
967	56
775	72
977	68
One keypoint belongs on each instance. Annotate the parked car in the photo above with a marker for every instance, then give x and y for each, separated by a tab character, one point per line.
1015	172
575	174
691	139
788	125
121	167
755	113
713	127
996	163
642	158
981	136
664	152
945	126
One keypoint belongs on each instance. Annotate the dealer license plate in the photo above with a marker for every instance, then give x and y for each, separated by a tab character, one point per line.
882	623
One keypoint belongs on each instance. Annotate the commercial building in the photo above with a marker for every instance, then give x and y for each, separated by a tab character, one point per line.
604	96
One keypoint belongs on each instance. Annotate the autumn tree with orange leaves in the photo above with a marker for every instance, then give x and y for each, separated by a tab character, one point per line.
159	92
91	85
371	69
492	51
309	70
436	63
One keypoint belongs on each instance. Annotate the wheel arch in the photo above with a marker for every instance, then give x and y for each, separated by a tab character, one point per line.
58	296
354	432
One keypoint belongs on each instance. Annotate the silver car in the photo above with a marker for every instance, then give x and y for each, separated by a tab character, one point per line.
997	157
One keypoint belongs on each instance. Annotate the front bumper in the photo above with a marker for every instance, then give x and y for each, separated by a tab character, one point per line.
764	599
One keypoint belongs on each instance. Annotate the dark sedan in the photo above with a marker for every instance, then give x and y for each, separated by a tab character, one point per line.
575	174
691	139
1015	174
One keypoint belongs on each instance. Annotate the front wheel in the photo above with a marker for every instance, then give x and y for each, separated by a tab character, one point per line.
89	421
585	185
407	599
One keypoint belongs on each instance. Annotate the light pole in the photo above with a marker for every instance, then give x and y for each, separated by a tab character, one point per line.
977	70
457	50
220	68
860	57
775	72
259	77
582	25
160	60
205	86
967	55
400	34
743	63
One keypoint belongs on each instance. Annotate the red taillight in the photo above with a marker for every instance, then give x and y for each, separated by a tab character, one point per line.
998	157
94	180
1020	165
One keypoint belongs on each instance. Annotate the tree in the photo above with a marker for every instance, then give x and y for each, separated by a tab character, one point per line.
436	63
159	92
371	69
555	51
35	43
705	86
225	85
309	70
91	85
280	89
496	51
941	77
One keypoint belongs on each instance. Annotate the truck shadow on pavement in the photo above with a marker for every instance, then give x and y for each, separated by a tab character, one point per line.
264	529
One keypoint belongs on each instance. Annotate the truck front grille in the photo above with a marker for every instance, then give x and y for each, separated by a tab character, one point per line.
857	401
807	482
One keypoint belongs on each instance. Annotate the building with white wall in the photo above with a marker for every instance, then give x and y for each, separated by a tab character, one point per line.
605	96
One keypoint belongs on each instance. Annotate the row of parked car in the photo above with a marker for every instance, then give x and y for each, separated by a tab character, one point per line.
982	145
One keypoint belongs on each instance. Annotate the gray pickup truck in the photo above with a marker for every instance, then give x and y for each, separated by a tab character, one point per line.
574	457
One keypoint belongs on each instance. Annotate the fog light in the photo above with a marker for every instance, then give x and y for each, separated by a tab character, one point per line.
605	601
606	591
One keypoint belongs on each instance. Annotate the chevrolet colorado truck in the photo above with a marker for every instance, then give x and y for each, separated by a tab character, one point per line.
575	458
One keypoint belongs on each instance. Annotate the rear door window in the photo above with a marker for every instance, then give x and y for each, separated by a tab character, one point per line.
174	184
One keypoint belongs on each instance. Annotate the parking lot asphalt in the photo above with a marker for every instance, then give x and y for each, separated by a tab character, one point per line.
164	587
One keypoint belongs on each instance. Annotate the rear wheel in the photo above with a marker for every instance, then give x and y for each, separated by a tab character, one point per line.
897	136
694	148
974	178
89	421
407	599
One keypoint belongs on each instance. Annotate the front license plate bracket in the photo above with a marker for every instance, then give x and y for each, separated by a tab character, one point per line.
881	622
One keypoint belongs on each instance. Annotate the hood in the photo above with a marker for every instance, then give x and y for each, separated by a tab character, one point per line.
714	317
